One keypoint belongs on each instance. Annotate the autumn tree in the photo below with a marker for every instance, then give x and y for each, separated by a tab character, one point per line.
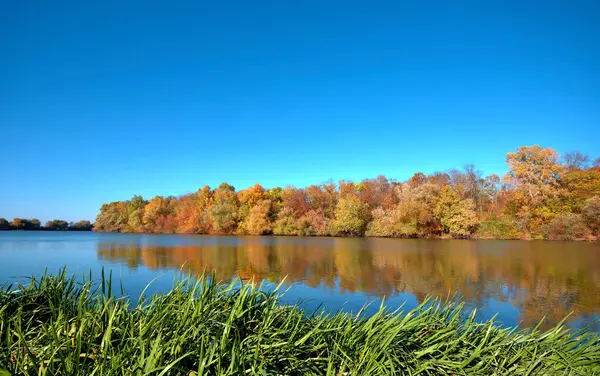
416	203
224	210
566	227
376	192
534	171
537	197
351	216
134	214
534	177
296	200
18	224
192	215
417	179
323	198
258	221
314	222
456	216
575	160
286	223
159	215
275	195
579	185
112	217
591	214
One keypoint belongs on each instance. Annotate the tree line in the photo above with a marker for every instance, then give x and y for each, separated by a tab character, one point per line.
53	225
541	196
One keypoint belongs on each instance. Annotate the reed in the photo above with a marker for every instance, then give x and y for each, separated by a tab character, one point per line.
59	325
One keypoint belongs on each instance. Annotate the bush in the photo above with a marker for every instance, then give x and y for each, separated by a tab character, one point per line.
591	214
566	227
498	228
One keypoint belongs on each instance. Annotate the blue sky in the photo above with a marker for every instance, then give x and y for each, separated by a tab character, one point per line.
101	100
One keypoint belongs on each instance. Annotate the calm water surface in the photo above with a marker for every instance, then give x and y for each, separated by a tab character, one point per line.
519	281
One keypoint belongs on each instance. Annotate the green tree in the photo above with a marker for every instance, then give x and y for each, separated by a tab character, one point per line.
81	226
351	216
57	225
35	224
224	210
134	214
4	224
286	223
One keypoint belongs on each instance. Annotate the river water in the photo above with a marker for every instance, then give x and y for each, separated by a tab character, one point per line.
520	282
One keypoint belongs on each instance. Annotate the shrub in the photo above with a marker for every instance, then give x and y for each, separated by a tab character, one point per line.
566	227
498	228
591	214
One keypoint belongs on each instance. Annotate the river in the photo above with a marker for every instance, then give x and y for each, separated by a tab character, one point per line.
519	282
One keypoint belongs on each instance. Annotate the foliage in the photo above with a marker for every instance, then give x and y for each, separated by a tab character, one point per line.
258	222
566	227
57	224
286	223
58	326
35	225
498	228
159	215
457	217
223	213
351	216
459	202
591	214
81	226
580	185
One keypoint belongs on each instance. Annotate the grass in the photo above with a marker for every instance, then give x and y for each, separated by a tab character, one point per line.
57	326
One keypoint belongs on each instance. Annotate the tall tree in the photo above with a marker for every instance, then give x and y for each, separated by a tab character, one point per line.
112	217
224	210
575	160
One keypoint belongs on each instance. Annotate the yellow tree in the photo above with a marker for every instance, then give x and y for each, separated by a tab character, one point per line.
351	216
457	216
535	178
258	220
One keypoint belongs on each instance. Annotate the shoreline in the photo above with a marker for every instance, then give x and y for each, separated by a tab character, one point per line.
589	239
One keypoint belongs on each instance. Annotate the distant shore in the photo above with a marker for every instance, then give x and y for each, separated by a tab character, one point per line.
23	224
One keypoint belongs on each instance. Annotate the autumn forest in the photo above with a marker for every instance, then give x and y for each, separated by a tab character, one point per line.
541	196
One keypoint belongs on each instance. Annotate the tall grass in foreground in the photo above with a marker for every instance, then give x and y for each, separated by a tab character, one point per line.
57	326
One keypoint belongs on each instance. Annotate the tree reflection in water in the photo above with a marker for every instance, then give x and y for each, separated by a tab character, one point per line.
541	279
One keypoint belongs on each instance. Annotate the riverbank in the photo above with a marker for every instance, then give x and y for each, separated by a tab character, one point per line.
58	326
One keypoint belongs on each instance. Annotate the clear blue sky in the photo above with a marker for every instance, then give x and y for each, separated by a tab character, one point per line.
100	100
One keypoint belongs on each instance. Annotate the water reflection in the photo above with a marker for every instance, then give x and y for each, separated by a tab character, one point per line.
538	278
